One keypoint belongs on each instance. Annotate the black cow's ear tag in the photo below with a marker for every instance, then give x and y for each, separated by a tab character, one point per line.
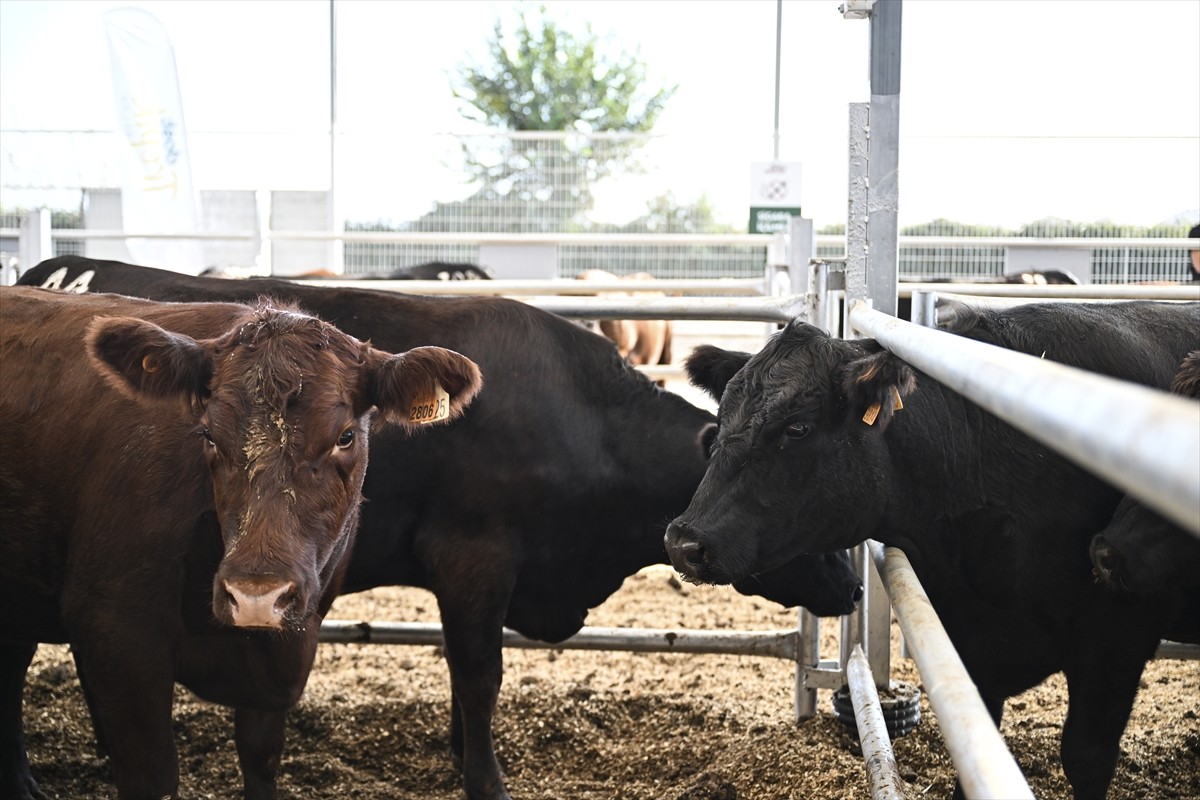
432	408
872	412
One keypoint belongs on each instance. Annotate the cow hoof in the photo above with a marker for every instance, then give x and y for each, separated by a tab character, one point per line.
23	788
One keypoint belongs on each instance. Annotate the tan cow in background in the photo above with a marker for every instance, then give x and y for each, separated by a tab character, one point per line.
639	341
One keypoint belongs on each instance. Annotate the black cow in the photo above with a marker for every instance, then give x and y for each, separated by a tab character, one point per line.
814	453
1144	552
554	487
1030	277
426	271
179	493
441	271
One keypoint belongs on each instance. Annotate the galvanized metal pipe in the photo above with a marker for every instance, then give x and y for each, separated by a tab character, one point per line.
774	644
483	237
809	630
755	309
1143	440
749	287
985	766
882	773
924	309
1179	650
1092	291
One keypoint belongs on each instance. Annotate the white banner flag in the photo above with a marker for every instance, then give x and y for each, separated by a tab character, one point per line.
157	194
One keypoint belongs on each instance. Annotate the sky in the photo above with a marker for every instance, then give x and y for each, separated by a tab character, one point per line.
1010	110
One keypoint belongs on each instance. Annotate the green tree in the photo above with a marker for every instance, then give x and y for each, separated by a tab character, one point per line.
551	80
546	79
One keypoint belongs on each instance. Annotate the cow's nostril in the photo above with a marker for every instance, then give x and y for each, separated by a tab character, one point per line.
693	552
1106	561
857	593
285	600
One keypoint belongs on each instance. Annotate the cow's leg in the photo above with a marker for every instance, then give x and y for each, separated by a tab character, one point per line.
259	736
473	634
1100	699
132	688
101	745
16	779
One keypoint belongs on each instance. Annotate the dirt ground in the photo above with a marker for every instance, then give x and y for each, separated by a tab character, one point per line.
587	725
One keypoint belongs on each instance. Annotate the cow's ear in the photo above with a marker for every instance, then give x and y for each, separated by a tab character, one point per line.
1187	379
875	386
140	359
423	385
711	368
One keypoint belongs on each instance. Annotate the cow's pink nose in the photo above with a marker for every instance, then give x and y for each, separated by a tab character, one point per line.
259	602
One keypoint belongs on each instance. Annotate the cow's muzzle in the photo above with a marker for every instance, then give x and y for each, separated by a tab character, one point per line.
688	555
258	602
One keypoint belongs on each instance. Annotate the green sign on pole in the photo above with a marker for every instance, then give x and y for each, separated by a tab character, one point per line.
774	195
772	220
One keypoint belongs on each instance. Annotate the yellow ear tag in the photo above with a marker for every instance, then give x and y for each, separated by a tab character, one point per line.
873	410
872	413
431	409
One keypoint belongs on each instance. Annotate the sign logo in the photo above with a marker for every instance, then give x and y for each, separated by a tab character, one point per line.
774	196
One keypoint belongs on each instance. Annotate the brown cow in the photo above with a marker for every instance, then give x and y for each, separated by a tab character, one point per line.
179	493
639	341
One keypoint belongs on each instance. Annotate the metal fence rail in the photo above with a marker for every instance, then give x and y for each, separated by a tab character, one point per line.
882	772
1139	439
771	643
985	766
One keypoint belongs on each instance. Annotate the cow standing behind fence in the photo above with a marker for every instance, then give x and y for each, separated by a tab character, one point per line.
1143	552
824	443
179	494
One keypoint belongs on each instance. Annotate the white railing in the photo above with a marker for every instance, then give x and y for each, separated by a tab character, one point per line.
984	764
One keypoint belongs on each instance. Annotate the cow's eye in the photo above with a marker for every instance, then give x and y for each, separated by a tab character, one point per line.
346	439
797	430
207	434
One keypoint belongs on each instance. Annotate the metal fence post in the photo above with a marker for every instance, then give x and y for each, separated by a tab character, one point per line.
809	631
35	242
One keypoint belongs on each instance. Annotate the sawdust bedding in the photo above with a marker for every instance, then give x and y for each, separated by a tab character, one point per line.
590	725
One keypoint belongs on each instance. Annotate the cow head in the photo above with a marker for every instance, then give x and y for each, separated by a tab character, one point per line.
799	463
1140	550
824	583
282	404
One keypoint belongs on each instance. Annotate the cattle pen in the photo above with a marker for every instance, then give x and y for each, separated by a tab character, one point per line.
827	308
1139	439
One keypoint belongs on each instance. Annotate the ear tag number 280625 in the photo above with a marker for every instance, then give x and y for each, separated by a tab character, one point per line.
433	408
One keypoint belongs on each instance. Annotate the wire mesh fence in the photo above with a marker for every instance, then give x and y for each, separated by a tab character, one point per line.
540	183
